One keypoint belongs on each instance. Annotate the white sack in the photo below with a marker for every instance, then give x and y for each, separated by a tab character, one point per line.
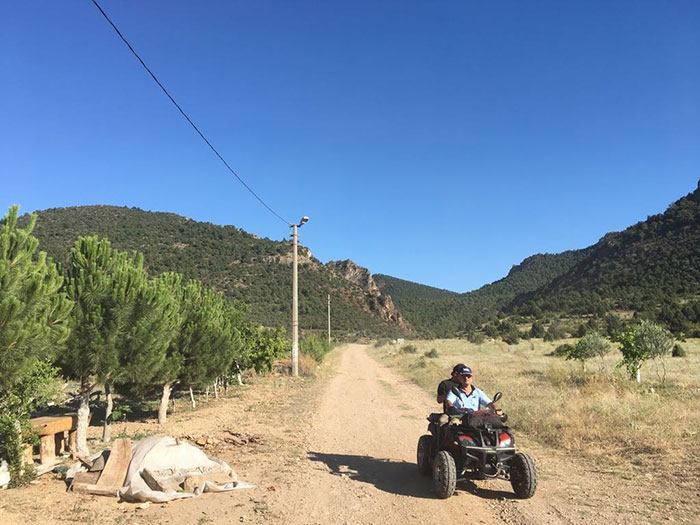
158	453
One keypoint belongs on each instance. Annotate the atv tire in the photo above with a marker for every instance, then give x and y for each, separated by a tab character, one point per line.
425	455
444	475
523	476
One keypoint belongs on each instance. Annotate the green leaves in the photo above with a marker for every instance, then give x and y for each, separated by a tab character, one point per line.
33	316
641	342
33	312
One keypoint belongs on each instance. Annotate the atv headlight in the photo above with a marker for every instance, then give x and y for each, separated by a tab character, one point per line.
505	440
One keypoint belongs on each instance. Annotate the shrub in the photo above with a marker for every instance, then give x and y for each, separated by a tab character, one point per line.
554	332
537	330
409	349
475	337
678	351
307	365
315	346
563	350
432	353
641	342
589	346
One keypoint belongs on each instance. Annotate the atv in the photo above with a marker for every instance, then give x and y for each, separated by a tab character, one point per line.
472	446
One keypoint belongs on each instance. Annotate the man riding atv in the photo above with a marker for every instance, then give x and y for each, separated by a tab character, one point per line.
466	443
465	397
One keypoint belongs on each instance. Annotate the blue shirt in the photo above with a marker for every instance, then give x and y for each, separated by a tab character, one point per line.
469	402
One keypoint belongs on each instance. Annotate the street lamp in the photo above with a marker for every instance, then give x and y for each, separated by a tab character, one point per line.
295	298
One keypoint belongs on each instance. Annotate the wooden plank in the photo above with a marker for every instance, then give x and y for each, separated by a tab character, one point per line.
60	442
49	425
73	443
84	488
114	473
47	449
83	479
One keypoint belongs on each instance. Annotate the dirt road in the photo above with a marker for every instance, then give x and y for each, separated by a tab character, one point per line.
336	451
362	455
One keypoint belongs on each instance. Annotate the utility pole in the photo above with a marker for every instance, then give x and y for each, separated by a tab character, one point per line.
329	320
295	298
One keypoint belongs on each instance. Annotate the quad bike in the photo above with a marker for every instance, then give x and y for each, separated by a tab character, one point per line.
474	446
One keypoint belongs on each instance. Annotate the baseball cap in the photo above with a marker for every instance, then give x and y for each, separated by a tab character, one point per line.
462	370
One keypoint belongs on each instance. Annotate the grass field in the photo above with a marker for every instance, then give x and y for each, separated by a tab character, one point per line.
593	412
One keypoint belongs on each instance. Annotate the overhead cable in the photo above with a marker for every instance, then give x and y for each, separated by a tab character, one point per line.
186	117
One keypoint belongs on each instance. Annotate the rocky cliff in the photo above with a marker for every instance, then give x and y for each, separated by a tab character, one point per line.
377	302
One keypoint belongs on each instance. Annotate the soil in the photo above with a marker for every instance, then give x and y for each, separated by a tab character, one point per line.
341	450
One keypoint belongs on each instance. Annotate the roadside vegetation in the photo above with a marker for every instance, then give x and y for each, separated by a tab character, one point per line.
590	405
102	322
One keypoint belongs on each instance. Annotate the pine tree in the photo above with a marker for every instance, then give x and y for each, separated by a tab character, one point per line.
146	357
33	323
104	285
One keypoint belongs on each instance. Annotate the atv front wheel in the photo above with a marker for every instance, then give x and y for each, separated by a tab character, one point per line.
523	476
424	455
444	475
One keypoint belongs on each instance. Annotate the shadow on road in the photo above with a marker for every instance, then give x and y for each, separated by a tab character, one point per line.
395	477
485	493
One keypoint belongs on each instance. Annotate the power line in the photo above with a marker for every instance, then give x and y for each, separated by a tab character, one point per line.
186	117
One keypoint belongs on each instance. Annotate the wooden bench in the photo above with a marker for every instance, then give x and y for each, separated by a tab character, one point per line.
52	433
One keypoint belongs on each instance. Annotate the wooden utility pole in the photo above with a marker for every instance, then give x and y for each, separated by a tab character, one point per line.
329	319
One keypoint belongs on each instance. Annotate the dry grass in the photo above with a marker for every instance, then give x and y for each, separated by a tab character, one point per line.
556	403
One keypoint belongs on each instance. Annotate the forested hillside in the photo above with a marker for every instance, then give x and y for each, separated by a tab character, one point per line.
650	264
652	268
442	313
255	271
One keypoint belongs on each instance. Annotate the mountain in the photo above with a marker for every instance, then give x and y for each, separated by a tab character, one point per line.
441	313
244	267
400	289
652	267
647	264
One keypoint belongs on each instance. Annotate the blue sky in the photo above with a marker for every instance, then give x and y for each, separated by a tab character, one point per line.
439	142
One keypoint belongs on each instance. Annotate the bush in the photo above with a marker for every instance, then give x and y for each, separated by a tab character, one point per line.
678	351
589	346
475	337
563	350
307	365
315	346
537	330
432	353
554	332
409	349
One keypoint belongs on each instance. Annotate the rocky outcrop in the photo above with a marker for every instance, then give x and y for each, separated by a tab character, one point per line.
377	302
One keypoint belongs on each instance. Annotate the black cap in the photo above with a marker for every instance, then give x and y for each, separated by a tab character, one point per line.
462	370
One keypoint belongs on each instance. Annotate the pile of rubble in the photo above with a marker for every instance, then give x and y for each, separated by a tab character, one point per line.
228	438
155	469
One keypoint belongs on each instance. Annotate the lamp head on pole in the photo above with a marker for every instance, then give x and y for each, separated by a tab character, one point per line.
303	221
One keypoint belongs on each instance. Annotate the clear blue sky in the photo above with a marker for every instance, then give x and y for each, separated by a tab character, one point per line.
439	142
